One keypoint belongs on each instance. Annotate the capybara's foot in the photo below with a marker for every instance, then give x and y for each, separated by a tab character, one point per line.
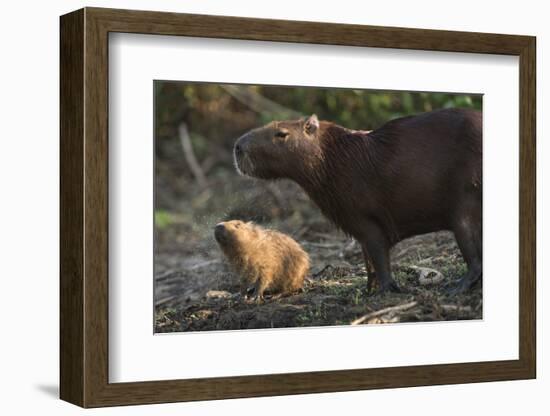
246	292
257	299
390	286
463	286
372	284
458	289
467	282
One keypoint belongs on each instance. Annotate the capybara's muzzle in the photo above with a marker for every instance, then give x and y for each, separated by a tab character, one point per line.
241	158
219	232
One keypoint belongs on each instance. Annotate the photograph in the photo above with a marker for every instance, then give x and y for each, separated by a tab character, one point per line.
292	206
285	202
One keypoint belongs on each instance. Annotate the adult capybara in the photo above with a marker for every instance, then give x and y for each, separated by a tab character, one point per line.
267	259
413	175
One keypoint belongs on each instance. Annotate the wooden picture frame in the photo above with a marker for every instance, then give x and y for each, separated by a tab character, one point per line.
84	207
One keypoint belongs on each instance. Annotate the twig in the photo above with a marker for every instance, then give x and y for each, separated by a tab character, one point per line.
456	308
322	245
259	103
168	274
204	264
329	236
398	308
300	233
431	260
349	249
190	155
328	266
164	301
406	250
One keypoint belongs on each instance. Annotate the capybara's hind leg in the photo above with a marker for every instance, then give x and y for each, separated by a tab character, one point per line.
468	237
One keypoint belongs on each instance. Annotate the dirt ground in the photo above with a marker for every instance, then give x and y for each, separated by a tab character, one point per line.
196	291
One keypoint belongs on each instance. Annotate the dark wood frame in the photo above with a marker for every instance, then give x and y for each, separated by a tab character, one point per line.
84	208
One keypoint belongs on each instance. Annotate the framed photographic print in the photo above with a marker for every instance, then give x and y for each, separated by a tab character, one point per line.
256	207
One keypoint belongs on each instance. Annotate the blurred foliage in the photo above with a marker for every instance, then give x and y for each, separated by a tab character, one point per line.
162	218
217	114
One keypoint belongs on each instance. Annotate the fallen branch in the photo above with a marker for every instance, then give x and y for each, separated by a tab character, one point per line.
164	301
391	309
351	248
165	276
322	245
330	236
456	308
432	260
258	102
189	155
204	264
327	267
300	233
406	251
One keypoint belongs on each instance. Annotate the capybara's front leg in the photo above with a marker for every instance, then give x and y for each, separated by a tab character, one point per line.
243	289
259	288
378	251
246	289
371	274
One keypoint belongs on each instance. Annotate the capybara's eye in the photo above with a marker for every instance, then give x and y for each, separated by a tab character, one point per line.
282	134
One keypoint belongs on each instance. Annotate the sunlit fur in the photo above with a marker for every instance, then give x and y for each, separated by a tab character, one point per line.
266	259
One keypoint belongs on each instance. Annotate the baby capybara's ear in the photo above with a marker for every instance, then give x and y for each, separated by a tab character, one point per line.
311	125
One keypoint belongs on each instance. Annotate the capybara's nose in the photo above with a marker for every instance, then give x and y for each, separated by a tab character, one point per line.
238	150
241	145
219	230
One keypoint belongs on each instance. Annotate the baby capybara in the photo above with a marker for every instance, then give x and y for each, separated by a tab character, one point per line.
266	259
413	175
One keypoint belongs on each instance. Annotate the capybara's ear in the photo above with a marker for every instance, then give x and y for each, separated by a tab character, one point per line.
312	124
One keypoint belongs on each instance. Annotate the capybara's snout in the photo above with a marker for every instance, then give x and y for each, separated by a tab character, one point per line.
241	144
220	232
240	147
238	150
241	155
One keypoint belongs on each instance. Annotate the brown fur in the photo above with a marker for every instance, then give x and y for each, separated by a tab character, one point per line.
413	175
267	259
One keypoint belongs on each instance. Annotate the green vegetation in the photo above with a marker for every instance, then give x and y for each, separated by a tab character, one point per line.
162	219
